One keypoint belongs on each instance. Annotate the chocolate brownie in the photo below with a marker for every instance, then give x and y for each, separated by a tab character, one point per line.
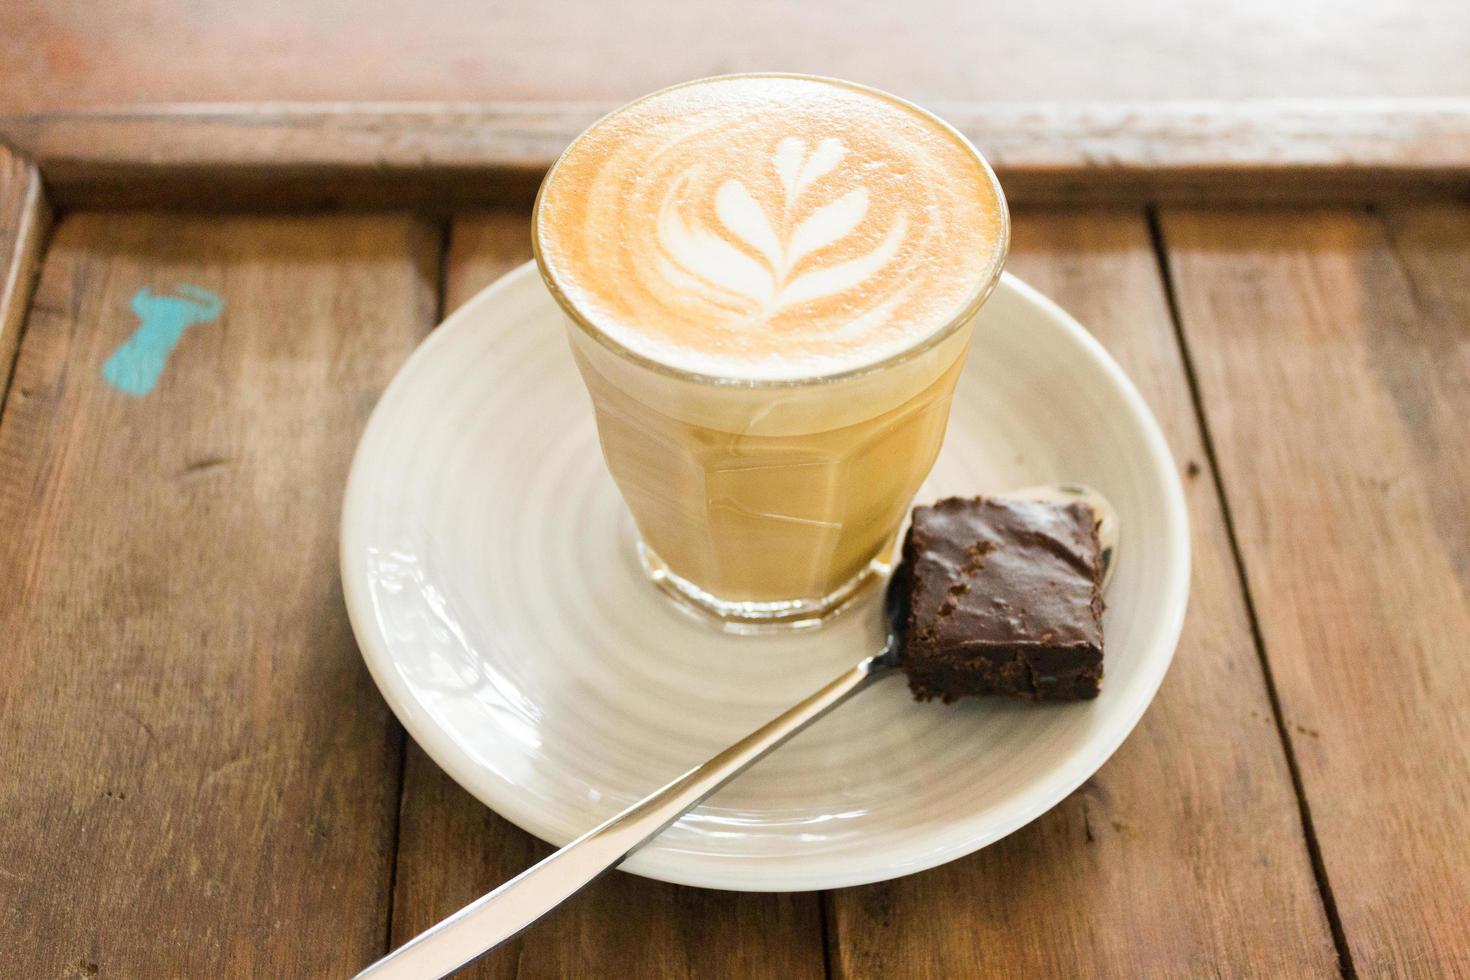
1004	597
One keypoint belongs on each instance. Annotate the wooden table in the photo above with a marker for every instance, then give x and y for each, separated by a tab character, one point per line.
197	777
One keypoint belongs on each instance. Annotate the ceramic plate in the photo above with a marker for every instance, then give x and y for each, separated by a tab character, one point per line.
489	570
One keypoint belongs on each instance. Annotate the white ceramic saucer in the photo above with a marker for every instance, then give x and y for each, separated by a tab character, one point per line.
489	570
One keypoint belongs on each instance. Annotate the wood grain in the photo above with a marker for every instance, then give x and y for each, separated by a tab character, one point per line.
25	221
1184	855
452	849
197	776
60	53
1334	365
454	155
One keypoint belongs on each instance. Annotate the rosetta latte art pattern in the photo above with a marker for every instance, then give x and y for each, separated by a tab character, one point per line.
767	283
760	226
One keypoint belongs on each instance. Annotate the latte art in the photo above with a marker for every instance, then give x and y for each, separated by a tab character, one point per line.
766	283
769	227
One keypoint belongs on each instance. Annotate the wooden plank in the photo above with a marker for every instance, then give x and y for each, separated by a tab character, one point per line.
1184	855
454	155
451	849
25	221
1336	387
61	53
197	776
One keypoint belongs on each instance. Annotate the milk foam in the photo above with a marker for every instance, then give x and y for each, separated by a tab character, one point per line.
770	227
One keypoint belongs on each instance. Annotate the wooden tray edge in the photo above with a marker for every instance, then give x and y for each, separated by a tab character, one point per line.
451	156
25	221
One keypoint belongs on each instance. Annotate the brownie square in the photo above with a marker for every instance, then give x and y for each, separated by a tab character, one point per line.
1003	597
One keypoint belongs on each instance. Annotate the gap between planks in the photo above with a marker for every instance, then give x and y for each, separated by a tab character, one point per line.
441	286
1314	850
1331	351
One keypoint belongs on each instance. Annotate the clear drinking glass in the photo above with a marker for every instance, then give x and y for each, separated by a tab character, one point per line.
770	501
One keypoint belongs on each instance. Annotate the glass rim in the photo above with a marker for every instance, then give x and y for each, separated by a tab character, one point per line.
927	342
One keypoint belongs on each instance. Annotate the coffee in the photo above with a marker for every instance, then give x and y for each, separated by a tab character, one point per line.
771	281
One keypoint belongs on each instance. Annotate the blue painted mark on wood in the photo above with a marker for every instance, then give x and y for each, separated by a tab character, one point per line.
136	365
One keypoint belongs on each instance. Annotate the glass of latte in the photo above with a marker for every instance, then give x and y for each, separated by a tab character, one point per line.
770	282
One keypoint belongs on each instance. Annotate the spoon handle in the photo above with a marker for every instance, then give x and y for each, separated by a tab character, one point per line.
499	916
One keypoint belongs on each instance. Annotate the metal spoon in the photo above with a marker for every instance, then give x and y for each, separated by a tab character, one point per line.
501	915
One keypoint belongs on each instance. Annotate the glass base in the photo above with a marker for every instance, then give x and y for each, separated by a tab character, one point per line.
761	617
